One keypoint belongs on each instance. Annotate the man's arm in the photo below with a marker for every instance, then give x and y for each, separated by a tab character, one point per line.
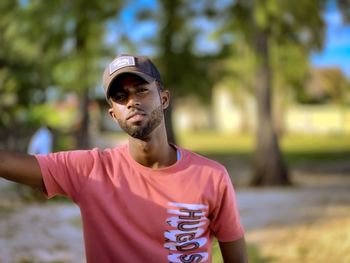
21	168
234	251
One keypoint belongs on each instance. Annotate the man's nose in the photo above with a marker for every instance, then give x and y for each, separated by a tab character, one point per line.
133	101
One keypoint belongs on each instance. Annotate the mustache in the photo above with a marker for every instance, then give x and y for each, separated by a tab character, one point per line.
135	111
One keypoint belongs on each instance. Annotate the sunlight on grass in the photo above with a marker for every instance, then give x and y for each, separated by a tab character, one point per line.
295	146
320	242
316	143
211	143
216	253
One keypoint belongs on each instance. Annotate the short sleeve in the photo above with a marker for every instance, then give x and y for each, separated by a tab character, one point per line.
65	173
225	223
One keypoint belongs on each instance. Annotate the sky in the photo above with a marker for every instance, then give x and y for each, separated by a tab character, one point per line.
335	53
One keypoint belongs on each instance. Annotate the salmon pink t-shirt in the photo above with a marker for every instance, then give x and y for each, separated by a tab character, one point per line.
135	214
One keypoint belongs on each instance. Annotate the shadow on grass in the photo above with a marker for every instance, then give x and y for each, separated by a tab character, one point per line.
294	159
240	164
291	157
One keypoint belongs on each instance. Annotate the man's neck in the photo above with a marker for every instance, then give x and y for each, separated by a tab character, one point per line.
154	152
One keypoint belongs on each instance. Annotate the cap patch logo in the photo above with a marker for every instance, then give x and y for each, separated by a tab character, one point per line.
121	62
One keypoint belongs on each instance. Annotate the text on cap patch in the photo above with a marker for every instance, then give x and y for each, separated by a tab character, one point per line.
121	62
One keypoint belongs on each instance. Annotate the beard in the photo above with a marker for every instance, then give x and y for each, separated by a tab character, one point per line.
142	131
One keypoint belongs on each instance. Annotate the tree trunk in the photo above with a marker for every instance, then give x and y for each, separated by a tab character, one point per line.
170	8
82	133
269	167
169	123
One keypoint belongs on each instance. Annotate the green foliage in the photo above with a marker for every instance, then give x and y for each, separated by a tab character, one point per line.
184	71
291	69
292	30
50	44
22	75
236	68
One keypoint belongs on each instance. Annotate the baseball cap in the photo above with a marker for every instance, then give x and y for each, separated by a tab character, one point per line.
141	66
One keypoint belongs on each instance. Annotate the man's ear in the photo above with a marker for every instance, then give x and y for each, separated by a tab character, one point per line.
165	98
111	113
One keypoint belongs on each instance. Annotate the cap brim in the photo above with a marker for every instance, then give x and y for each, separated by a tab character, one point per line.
144	76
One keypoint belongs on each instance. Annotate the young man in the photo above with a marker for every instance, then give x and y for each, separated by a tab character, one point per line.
147	200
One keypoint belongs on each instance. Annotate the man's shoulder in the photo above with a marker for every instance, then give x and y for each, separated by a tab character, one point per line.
199	159
114	152
95	153
121	148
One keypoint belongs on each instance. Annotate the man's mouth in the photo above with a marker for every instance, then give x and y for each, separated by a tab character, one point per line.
136	116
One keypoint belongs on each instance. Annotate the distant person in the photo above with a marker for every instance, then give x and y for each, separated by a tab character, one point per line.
41	142
147	200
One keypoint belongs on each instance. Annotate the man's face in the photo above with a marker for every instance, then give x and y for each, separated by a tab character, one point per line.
137	105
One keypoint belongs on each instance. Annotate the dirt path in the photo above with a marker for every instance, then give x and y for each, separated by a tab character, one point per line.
51	231
312	200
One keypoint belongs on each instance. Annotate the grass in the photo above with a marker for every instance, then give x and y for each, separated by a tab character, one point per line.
295	147
320	241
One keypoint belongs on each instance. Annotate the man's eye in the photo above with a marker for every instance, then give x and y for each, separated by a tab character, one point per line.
118	97
142	90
